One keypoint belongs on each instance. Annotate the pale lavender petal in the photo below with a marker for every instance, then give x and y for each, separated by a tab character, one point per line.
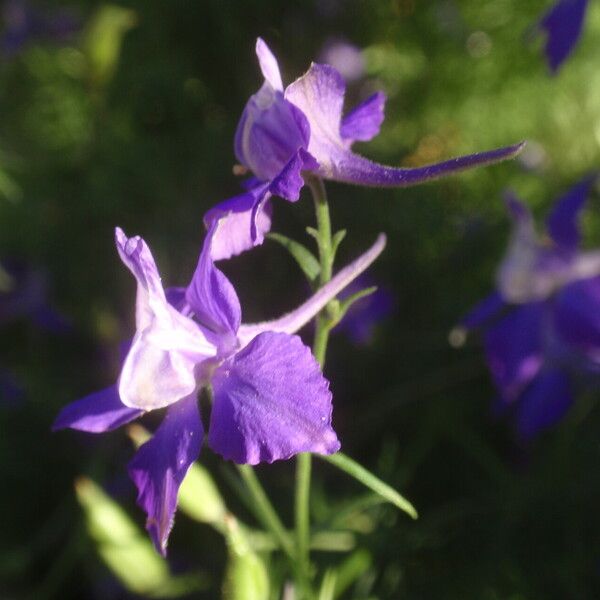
562	223
577	315
293	321
513	348
96	413
244	221
563	24
153	377
364	121
167	346
160	465
270	132
483	311
268	65
319	94
211	295
544	403
271	401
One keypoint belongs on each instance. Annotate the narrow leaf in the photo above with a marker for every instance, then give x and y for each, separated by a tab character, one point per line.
345	305
327	591
337	239
352	468
302	255
126	549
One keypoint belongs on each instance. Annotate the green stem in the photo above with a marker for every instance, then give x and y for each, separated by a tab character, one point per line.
304	461
265	511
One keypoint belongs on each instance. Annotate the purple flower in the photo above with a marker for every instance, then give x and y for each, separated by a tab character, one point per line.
25	295
345	57
362	318
563	25
542	326
24	24
285	132
270	399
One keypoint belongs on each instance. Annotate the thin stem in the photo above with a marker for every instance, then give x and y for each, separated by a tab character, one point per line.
304	461
265	511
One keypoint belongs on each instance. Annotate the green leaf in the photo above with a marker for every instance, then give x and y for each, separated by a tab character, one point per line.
103	38
327	591
126	549
343	306
198	496
302	255
352	468
337	240
350	570
246	575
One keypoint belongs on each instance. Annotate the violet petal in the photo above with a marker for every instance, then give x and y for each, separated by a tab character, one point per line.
364	122
271	401
96	413
513	348
160	465
211	295
562	223
544	403
563	24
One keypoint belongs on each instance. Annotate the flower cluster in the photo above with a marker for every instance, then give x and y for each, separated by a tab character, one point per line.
270	399
541	327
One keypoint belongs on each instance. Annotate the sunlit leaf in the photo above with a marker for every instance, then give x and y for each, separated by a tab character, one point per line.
127	550
304	257
352	468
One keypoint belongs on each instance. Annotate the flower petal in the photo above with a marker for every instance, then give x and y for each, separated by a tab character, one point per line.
271	401
153	377
289	182
244	221
211	295
577	315
268	65
271	130
293	321
544	403
513	348
364	121
483	311
319	94
563	24
98	412
562	222
160	465
159	367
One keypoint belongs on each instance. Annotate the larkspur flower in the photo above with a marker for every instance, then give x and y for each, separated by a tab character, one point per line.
285	132
270	399
541	326
563	25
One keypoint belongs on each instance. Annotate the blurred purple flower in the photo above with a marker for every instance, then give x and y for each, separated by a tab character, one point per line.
25	295
11	391
363	317
344	57
24	24
271	400
542	324
563	25
285	132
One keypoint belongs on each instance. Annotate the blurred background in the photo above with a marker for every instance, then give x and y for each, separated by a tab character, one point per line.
125	114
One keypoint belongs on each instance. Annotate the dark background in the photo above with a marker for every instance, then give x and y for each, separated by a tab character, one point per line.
132	124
